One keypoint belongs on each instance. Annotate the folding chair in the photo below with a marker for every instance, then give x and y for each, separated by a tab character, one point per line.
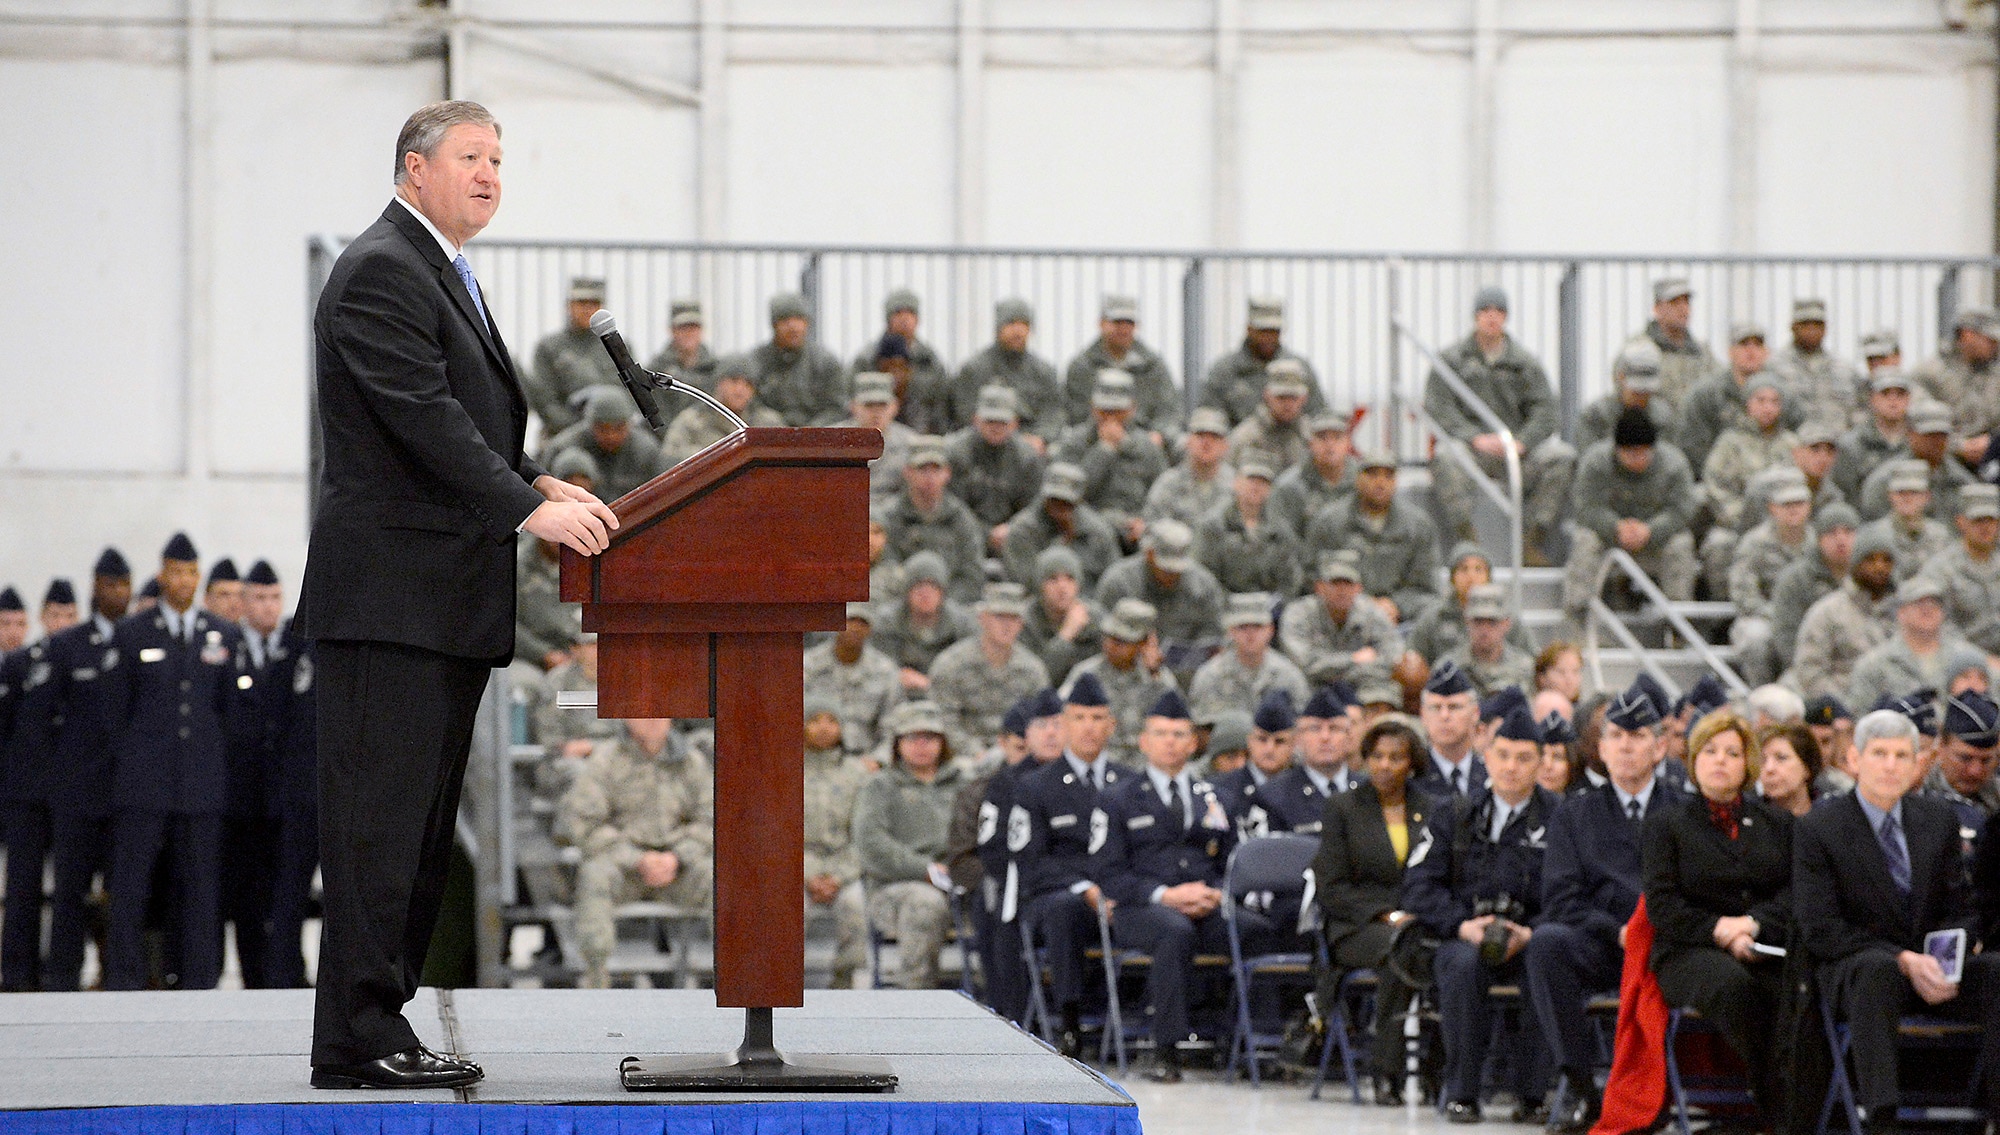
1918	1031
1705	1090
1273	866
1355	986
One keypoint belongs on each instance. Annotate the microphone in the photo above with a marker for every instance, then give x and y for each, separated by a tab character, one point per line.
637	380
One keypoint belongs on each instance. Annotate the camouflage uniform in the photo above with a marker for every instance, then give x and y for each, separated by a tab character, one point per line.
1283	445
698	427
973	696
1189	613
635	463
866	691
1269	559
995	481
1224	683
1606	492
1913	548
1838	630
1399	559
1738	455
1760	558
1156	401
625	803
1441	630
1596	421
926	401
1031	532
901	827
701	372
1891	667
952	532
833	781
1757	493
1178	495
1321	647
567	364
1820	384
1235	384
1039	634
805	385
1971	594
1716	406
1029	375
1681	366
1514	667
1130	694
1115	482
1946	477
1302	492
1972	392
1804	583
1516	388
1863	450
885	473
918	647
542	621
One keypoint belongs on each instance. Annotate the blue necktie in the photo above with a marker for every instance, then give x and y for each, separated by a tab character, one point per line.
471	285
1892	850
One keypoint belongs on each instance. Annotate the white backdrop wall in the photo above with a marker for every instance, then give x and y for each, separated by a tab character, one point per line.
158	195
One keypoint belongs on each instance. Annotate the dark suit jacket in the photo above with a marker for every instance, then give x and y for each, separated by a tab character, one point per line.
1426	778
175	704
1355	875
1591	878
92	702
1455	863
1694	875
425	479
1148	844
1842	899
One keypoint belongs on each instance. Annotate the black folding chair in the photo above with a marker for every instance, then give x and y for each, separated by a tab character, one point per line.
1268	868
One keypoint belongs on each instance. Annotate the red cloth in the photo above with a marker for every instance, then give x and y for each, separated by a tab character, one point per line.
1637	1089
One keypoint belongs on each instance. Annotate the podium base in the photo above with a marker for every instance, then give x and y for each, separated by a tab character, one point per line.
756	1066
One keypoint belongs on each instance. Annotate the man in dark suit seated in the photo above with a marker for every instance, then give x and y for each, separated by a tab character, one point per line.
1475	880
1054	826
1872	873
1166	842
1449	707
1590	885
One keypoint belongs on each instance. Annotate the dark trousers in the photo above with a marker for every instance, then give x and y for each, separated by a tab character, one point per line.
291	894
1741	1001
1173	939
1566	966
395	729
1872	995
249	856
1067	927
194	846
27	833
82	849
1368	948
1000	957
1465	1017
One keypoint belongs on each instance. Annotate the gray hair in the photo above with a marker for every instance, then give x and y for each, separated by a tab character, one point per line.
1776	703
424	131
1883	725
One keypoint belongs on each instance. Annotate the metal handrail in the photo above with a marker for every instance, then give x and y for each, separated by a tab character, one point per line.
1622	560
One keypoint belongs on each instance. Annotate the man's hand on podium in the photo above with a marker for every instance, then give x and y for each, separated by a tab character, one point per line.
659	868
572	517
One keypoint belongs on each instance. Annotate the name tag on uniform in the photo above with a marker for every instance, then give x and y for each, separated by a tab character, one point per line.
1062	821
153	654
1137	822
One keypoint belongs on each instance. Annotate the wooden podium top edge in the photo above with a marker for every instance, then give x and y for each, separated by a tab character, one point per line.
817	445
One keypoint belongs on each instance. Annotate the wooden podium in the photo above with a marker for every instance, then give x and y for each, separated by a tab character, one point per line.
718	568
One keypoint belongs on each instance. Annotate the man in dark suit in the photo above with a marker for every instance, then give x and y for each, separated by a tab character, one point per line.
1053	828
1590	885
1872	873
409	583
1449	707
1167	840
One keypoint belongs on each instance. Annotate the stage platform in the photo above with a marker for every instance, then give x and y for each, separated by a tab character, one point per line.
235	1062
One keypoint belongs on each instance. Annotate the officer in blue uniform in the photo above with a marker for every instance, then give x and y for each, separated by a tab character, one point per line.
1296	798
1590	886
1475	880
28	724
1052	830
90	701
1449	710
998	908
293	786
182	673
1167	840
1241	792
250	820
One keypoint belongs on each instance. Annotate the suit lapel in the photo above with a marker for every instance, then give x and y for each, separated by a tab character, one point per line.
1876	864
427	246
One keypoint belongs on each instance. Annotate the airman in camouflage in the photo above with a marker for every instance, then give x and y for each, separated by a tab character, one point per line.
1918	647
1186	599
1157	407
861	680
568	363
642	812
1441	630
686	356
1132	672
1760	442
1811	461
698	426
1966	378
1684	360
1062	626
1847	623
1397	544
1761	556
1119	463
1246	670
1488	659
1814	576
1930	443
1244	547
1335	634
1881	438
1635	494
544	626
993	468
1635	378
921	382
1008	362
1969	572
833	779
1059	518
1326	476
918	627
874	408
626	456
924	517
1235	382
797	377
1202	480
1717	403
902	827
1276	429
1823	385
1915	538
976	679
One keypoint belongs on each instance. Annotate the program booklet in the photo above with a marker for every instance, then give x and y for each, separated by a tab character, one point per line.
1948	947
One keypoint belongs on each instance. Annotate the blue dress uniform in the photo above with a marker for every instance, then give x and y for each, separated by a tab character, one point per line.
1052	830
295	803
1430	775
170	788
27	727
1590	886
1153	842
1241	791
92	700
999	901
1456	865
250	821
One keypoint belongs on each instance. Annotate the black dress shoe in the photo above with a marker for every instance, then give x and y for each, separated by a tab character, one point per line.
441	1058
1166	1068
1578	1114
417	1067
1463	1111
1533	1114
1388	1093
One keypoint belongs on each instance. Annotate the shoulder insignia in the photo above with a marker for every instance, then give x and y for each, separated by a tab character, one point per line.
1420	852
1017	828
989	821
1100	828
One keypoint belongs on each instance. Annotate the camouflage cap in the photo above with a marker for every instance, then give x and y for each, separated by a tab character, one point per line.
925	567
1839	514
1918	587
920	716
925	449
1910	476
789	305
1888	377
862	610
1327	421
586	289
575	461
1979	501
1639	367
1230	733
901	299
1881	344
1377	690
1208	420
1809	311
1056	560
1285	376
1266	313
1873	539
1491	296
1671	288
1486	601
1930	417
1005	598
1344	564
1255	464
1131	620
1743	331
1377	459
1170	542
1112	390
1819	431
1012	311
873	388
1791	491
684	313
735	366
1979	320
1764	380
1119	309
610	404
1063	481
1247	609
997	403
1467	550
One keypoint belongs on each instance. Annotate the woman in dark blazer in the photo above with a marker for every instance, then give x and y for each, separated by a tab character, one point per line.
1718	876
1365	839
